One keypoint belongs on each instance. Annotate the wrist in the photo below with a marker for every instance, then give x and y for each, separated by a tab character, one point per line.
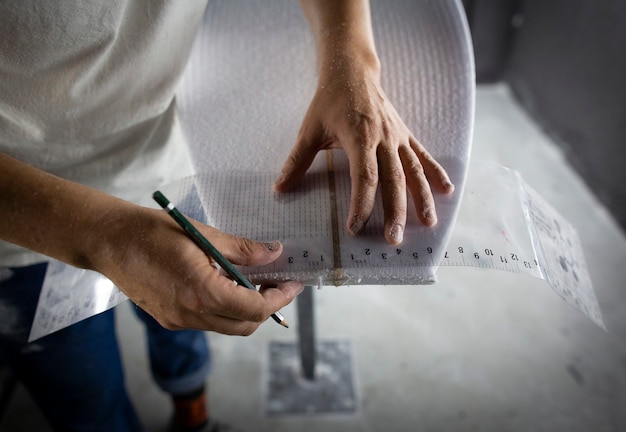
96	231
343	31
348	58
114	234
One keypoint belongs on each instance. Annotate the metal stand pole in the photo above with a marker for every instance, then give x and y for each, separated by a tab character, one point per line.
306	332
302	391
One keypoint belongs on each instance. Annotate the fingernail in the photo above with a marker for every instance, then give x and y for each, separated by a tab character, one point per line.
356	226
429	216
395	233
272	246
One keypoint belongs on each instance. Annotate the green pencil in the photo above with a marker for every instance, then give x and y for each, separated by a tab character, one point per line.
208	248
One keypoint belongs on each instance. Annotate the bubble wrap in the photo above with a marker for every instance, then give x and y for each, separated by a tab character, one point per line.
253	73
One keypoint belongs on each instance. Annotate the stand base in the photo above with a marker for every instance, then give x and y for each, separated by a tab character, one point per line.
332	390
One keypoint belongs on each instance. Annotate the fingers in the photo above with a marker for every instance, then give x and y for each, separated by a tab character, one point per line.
236	305
248	305
217	304
399	168
280	296
435	173
409	167
212	301
422	172
418	186
241	310
299	160
364	182
393	180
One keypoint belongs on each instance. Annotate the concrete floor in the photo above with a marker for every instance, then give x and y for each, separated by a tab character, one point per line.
480	351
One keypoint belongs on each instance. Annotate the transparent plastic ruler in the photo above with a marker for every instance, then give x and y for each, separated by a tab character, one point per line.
502	224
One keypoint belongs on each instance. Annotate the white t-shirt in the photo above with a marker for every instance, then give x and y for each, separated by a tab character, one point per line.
87	92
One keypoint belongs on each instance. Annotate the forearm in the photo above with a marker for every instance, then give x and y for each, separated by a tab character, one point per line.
343	33
143	251
50	215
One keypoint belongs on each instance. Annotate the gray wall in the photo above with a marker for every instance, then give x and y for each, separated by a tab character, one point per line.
565	61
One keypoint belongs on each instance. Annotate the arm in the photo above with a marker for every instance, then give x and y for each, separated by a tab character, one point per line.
141	250
350	110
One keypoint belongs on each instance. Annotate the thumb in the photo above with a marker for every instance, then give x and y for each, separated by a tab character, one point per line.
247	252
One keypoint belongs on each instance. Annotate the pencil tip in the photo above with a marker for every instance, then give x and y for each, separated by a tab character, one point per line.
280	319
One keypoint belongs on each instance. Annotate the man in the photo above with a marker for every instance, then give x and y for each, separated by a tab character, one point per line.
88	125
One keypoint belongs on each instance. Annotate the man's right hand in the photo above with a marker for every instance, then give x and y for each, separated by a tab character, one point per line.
165	273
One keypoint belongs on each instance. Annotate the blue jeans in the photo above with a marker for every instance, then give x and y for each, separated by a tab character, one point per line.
75	375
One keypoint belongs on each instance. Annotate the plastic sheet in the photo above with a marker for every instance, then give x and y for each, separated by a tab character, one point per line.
502	224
